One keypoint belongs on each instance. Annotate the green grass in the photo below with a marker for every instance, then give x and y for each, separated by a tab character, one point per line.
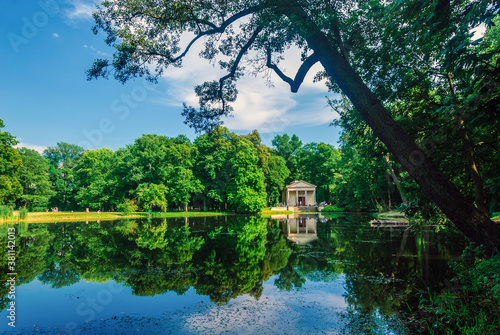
103	216
392	215
331	208
495	216
267	212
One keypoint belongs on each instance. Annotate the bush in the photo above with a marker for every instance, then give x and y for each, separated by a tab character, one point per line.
23	213
5	212
332	208
127	206
39	209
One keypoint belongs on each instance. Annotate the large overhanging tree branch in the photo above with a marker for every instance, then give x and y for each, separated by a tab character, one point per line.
214	97
301	73
147	35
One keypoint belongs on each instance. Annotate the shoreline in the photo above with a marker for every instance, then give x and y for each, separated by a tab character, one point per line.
53	217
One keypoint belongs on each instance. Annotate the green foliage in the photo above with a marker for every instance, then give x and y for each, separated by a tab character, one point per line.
23	213
159	160
287	147
212	163
319	164
471	306
152	196
34	179
230	168
331	208
63	158
360	182
274	168
6	212
10	163
94	179
246	191
127	206
275	173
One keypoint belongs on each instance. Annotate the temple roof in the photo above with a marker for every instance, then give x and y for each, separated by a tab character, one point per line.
299	183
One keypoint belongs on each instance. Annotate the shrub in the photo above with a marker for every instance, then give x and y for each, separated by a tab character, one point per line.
332	208
23	213
5	212
127	206
39	209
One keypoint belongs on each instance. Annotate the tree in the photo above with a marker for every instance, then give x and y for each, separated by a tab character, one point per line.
152	196
63	159
275	173
274	167
10	163
246	192
287	148
147	33
319	163
95	181
181	181
34	179
359	182
155	159
228	167
212	164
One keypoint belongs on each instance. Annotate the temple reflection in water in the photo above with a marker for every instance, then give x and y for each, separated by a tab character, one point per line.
299	228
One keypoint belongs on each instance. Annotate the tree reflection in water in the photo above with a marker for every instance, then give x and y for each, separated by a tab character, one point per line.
227	257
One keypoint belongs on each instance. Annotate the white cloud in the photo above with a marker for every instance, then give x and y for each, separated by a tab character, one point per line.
55	35
97	51
39	148
267	109
81	9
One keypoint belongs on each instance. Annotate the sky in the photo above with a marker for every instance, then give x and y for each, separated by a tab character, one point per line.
45	98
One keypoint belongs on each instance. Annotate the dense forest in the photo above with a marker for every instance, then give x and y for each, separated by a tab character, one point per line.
220	170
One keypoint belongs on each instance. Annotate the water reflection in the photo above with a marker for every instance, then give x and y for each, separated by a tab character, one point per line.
224	258
301	229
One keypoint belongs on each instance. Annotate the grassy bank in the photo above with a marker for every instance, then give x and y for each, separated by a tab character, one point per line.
102	216
267	212
392	215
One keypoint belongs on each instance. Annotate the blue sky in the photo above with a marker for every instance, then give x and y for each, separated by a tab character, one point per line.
45	98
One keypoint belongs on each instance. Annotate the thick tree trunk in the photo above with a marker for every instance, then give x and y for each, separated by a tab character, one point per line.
465	216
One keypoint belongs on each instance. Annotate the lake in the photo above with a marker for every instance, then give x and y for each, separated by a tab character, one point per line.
212	275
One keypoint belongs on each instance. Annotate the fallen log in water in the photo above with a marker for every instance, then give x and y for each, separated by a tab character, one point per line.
388	223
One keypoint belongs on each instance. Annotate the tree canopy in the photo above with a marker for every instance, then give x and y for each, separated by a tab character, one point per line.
10	163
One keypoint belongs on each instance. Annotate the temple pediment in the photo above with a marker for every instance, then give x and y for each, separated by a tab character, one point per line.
299	184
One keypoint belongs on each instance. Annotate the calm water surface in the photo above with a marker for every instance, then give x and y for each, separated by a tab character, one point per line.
234	275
